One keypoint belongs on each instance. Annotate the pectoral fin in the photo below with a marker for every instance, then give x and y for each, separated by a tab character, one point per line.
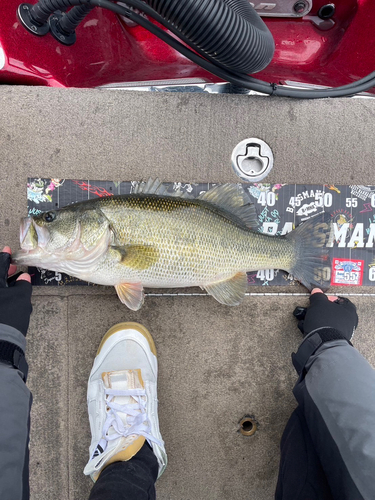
230	292
131	294
137	257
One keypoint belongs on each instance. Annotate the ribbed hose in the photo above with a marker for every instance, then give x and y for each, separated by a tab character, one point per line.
229	31
70	21
44	8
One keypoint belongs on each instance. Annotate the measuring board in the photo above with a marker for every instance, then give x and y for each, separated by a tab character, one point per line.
280	208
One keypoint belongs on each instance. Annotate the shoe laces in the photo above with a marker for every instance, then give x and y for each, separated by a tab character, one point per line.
136	418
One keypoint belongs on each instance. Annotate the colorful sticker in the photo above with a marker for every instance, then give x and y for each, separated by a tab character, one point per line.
280	209
347	272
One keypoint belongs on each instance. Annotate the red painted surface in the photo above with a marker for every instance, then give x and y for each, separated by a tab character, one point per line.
108	51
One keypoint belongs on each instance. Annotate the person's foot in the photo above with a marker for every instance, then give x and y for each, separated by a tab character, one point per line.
122	399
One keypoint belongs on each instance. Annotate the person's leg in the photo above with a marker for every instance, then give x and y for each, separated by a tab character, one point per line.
301	475
127	452
15	404
131	480
335	393
15	397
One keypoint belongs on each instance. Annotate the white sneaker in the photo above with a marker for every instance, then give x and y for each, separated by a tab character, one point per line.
122	399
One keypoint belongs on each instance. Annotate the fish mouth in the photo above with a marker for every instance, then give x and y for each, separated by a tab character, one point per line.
72	258
33	238
32	235
26	243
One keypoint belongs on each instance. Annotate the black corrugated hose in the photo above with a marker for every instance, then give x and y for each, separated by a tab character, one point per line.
74	17
229	32
188	17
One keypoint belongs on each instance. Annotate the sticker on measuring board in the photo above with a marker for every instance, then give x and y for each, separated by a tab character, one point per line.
280	209
347	272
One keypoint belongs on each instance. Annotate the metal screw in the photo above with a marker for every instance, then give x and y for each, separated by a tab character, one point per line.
25	7
34	28
62	37
299	7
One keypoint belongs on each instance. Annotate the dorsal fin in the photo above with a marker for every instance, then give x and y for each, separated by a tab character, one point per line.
152	186
157	187
231	198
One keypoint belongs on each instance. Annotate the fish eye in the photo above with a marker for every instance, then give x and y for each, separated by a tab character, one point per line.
49	216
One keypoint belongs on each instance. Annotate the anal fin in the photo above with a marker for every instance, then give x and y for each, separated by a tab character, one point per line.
230	292
131	294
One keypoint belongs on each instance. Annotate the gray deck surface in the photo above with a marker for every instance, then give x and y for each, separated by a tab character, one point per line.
216	363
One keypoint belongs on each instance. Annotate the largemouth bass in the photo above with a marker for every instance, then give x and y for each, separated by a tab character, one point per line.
154	239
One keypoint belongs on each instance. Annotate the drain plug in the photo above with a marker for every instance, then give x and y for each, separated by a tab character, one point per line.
248	425
252	159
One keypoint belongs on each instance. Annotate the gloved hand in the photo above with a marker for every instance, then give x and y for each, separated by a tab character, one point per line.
331	312
15	299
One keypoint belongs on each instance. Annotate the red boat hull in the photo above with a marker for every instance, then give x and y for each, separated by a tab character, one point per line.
108	51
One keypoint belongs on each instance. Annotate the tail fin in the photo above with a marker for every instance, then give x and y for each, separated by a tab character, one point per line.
312	241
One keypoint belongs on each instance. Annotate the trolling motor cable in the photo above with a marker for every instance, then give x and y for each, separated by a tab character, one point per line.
41	12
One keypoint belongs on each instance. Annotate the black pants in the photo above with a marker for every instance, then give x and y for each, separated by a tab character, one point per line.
132	480
327	450
301	476
328	446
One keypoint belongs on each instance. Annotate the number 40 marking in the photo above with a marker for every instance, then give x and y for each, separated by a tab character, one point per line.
266	274
268	198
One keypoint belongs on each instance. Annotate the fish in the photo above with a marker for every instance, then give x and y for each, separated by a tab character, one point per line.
151	238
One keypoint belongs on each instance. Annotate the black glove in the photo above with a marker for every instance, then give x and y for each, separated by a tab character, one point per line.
15	299
340	315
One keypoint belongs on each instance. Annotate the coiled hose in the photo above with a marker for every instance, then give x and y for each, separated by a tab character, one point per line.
228	31
41	11
74	17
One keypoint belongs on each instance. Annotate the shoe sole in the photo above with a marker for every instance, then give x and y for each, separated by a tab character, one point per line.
129	326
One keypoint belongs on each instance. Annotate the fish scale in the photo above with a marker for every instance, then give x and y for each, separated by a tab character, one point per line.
158	240
196	246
